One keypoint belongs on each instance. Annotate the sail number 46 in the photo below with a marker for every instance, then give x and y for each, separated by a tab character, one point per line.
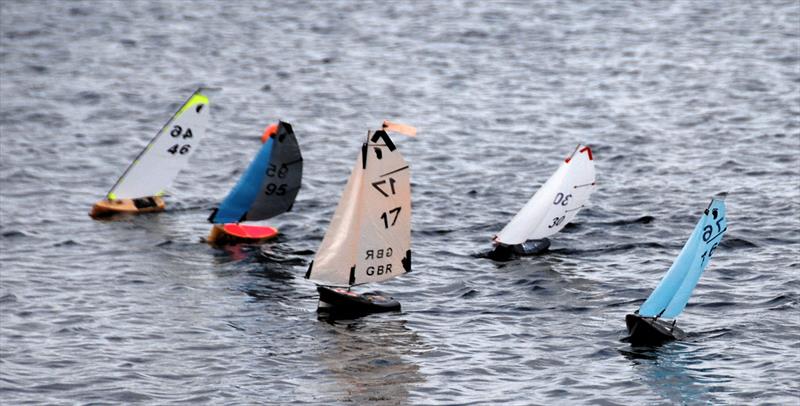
177	148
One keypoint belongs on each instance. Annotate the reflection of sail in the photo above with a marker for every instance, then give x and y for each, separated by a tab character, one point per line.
671	375
369	361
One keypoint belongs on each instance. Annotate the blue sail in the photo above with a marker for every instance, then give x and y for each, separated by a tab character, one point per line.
715	227
671	295
242	196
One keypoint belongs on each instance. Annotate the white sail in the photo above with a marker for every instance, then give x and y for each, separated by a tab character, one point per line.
167	153
369	238
556	203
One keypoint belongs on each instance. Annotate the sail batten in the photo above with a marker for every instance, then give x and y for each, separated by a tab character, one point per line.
672	294
160	161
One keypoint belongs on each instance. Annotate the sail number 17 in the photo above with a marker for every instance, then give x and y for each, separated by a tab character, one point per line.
385	217
377	185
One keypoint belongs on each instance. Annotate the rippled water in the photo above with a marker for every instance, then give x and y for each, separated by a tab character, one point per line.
680	100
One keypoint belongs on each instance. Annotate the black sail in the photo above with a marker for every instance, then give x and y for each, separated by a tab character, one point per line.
283	177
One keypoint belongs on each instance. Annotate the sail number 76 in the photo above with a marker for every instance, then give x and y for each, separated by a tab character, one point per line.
708	231
385	217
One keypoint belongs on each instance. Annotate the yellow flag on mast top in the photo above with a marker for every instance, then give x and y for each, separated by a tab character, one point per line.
399	128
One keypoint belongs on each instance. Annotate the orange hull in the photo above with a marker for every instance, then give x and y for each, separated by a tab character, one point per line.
237	233
107	208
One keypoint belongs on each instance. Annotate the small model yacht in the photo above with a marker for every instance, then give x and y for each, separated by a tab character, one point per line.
141	186
647	326
553	206
369	237
266	189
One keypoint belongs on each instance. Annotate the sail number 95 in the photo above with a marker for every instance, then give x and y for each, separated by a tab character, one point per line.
281	172
273	188
278	190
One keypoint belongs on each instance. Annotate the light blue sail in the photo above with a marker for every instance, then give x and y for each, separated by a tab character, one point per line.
238	201
671	295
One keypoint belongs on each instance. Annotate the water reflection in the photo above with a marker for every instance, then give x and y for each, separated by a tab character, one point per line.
369	359
671	371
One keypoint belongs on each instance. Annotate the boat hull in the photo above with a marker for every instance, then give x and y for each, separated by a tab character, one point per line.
504	252
232	233
343	302
531	247
649	331
107	208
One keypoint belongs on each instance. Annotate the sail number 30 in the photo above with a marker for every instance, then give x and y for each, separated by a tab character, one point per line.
557	221
561	199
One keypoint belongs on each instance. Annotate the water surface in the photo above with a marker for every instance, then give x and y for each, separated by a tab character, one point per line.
679	100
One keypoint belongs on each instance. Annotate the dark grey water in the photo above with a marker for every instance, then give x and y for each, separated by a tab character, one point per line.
680	100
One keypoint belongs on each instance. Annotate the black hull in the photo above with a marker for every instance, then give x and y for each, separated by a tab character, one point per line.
504	252
648	331
341	302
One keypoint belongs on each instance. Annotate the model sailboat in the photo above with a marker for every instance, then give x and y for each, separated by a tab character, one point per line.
141	186
267	188
646	326
369	238
553	206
